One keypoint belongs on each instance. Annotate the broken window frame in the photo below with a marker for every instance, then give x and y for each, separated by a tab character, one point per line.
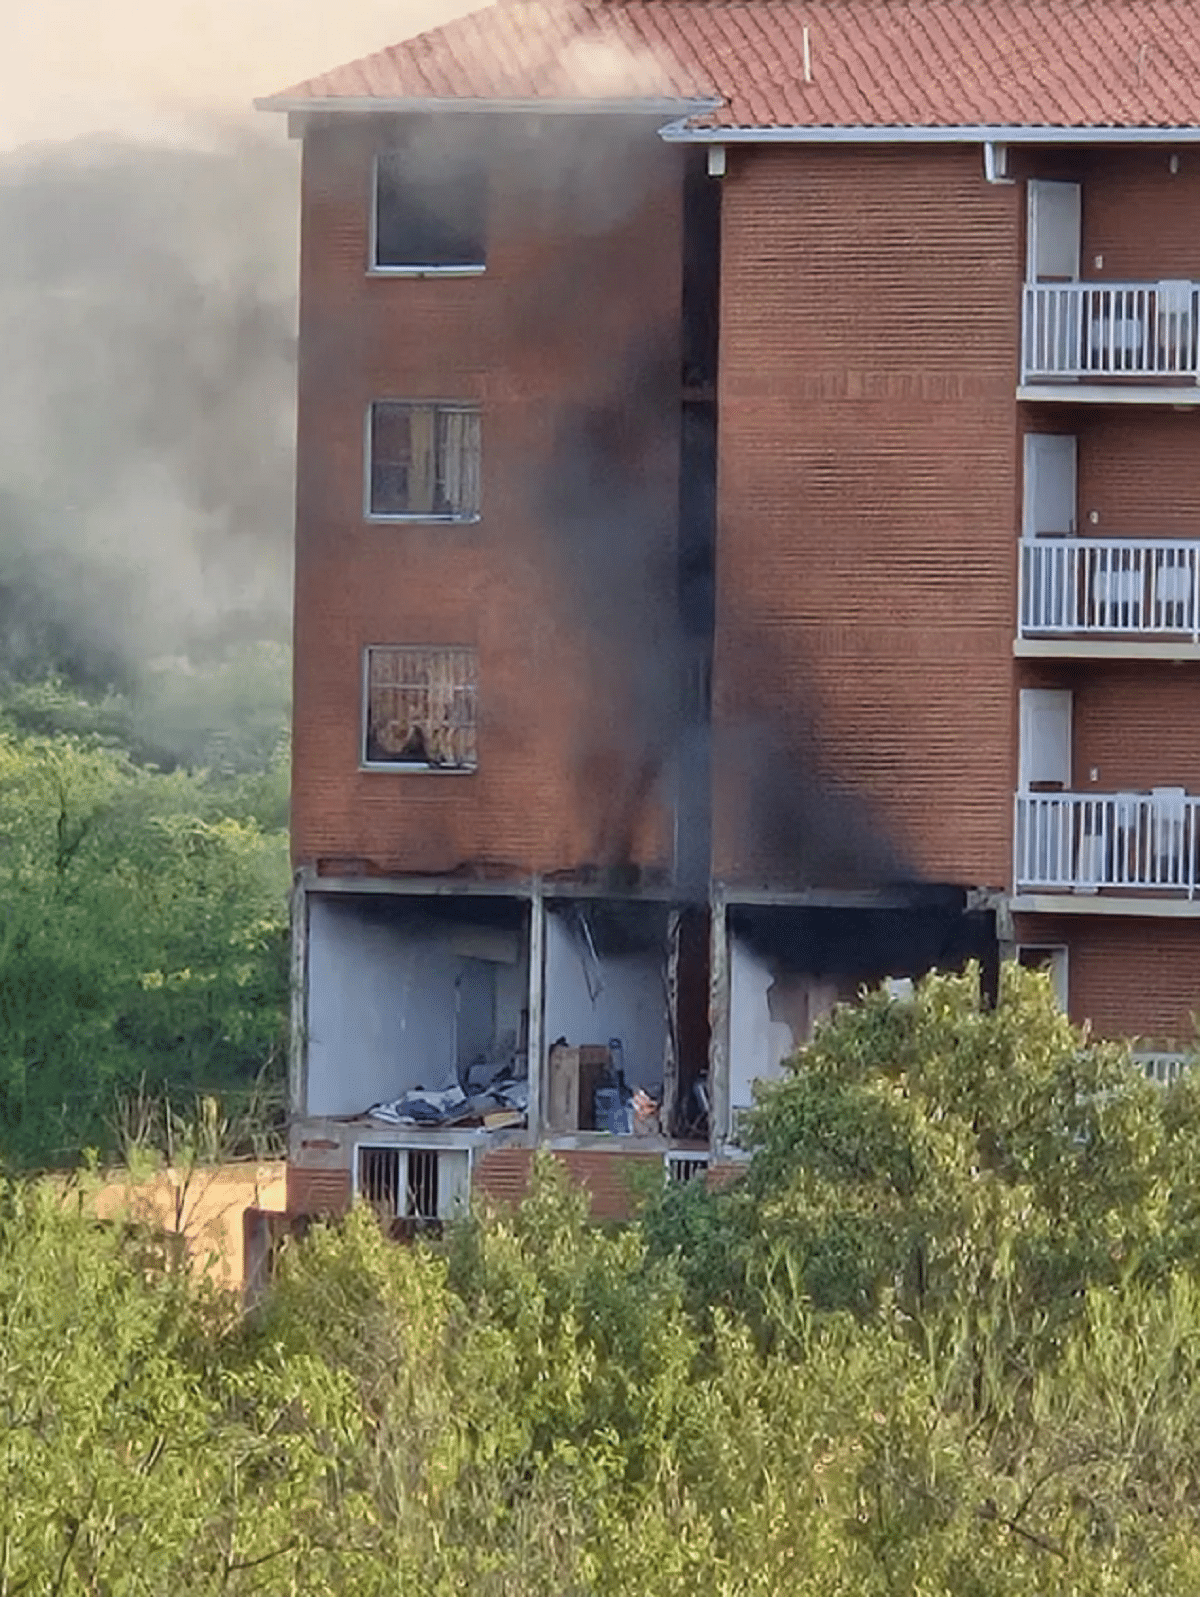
449	737
467	259
452	455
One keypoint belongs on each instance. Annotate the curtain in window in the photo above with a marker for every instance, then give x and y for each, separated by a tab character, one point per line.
458	447
421	707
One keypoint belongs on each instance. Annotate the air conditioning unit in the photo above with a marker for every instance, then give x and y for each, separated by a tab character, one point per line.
1119	341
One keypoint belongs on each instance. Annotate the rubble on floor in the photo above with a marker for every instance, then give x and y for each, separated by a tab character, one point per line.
489	1093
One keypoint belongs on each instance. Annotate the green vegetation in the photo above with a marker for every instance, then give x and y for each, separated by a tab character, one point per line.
943	1340
143	935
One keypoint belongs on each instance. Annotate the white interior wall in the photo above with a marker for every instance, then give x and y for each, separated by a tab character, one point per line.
758	1045
382	1001
631	1003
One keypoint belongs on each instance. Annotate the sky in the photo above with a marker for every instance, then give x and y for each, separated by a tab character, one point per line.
155	67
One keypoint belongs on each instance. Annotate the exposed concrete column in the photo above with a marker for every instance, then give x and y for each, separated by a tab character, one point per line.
297	998
718	1021
1000	905
537	988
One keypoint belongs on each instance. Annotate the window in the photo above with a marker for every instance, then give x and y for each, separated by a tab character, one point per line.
429	212
421	708
414	1183
423	461
682	1167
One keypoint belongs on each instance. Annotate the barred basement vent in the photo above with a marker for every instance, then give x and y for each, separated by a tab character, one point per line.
686	1166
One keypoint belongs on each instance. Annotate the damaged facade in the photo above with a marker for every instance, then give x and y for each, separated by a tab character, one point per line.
746	548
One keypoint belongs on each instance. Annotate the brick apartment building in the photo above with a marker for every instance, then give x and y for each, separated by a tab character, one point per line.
748	544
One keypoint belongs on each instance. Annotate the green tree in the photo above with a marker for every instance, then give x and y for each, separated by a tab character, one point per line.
142	940
942	1339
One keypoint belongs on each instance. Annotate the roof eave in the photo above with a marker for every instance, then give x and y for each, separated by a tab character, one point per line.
680	132
357	105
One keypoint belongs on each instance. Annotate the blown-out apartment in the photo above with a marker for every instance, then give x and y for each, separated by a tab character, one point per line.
747	544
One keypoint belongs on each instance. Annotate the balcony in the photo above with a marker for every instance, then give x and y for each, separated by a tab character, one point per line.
1109	596
1111	342
1163	1069
1144	844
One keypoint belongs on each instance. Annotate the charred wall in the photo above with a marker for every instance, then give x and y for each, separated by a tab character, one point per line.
569	341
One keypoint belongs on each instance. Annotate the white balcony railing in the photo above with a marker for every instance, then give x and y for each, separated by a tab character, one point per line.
1117	587
1140	842
1162	1069
1107	330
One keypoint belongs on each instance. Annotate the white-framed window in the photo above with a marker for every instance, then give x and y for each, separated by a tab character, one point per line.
413	1183
420	708
428	213
422	461
1051	958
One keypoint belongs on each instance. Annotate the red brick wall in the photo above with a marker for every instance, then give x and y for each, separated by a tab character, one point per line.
553	315
868	480
1127	977
1139	215
1134	721
502	1175
317	1191
608	1177
1136	213
1139	469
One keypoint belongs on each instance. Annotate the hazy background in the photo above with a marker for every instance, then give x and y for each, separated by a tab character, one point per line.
147	323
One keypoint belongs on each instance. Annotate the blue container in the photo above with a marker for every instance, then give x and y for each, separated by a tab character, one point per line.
612	1113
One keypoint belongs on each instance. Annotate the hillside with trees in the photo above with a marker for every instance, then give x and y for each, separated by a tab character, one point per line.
143	937
942	1340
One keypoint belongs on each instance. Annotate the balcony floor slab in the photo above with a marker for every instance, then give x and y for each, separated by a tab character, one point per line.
1104	649
1112	393
1141	907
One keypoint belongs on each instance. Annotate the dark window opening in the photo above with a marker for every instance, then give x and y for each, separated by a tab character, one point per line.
429	212
424	460
420	708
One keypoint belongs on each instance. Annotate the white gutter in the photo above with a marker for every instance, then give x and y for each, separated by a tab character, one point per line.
680	132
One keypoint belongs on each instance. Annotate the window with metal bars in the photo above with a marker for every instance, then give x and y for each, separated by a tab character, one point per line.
379	1179
400	1183
421	1184
686	1167
423	461
420	708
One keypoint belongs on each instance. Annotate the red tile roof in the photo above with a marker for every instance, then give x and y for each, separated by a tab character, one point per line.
877	63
